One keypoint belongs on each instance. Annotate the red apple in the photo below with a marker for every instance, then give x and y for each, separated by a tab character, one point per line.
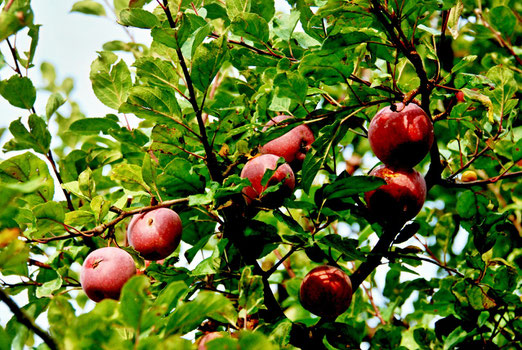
105	271
400	199
402	138
155	234
326	291
293	145
460	97
254	170
206	338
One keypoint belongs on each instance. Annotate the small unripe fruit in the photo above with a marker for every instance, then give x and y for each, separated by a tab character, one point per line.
105	271
400	199
292	146
255	169
155	234
326	291
401	138
469	175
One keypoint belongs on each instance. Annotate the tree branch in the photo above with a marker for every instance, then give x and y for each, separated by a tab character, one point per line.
24	319
98	230
211	159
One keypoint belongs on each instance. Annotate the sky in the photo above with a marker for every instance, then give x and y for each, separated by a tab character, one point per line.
70	41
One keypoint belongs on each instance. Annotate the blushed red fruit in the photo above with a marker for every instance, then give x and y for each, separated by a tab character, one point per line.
293	145
326	291
155	234
105	271
206	338
402	138
460	96
400	199
254	170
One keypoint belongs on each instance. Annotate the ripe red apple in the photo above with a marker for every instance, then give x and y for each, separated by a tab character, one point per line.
292	146
460	97
254	170
155	234
326	291
105	271
206	338
400	199
402	138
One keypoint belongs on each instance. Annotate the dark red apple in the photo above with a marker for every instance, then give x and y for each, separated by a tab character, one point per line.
400	199
293	145
155	234
105	271
326	291
401	138
254	170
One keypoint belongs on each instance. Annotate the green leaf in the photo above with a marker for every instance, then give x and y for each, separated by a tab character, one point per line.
158	105
37	137
179	179
349	186
13	258
251	291
100	207
173	38
321	148
188	316
517	151
53	103
207	61
130	177
251	26
503	19
27	167
89	7
347	246
291	85
15	18
50	217
134	300
157	72
327	67
111	82
93	126
19	91
47	288
264	8
505	88
237	7
139	18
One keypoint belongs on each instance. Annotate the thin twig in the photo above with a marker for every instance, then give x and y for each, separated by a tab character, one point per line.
24	319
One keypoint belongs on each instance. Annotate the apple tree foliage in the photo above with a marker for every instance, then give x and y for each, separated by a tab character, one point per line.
216	72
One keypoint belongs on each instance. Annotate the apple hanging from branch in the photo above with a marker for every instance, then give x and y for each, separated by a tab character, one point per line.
155	234
105	271
401	136
326	291
400	199
255	169
292	146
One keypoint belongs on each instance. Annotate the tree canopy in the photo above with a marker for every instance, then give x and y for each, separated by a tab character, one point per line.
215	73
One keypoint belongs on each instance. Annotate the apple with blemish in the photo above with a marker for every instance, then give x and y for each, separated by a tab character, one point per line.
255	169
400	199
293	145
326	291
401	137
105	271
155	234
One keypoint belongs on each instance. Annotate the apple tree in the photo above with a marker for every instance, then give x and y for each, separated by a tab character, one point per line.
253	127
